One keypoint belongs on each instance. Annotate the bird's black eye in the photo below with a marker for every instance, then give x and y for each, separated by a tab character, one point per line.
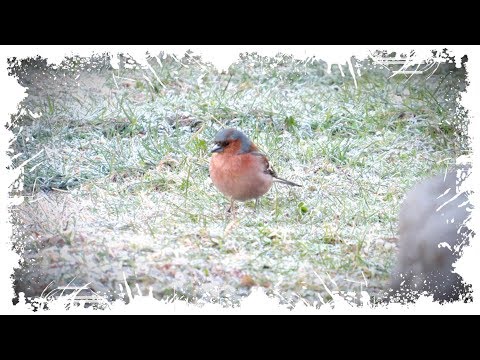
223	143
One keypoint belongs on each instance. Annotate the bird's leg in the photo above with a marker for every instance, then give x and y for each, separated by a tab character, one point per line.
231	209
232	206
256	205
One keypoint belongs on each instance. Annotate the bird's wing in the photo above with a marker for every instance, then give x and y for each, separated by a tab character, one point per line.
268	169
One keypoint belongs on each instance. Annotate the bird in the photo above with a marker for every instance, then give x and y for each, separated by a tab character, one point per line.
432	230
239	170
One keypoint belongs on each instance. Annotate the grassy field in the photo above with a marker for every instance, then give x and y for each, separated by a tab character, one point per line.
118	184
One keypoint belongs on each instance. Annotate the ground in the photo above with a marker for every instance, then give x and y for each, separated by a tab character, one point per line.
117	189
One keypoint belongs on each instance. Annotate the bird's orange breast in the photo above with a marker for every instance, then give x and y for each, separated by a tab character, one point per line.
240	176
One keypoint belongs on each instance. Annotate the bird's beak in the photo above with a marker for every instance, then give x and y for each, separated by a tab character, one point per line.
217	148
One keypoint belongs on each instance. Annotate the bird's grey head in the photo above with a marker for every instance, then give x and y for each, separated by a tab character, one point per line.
226	136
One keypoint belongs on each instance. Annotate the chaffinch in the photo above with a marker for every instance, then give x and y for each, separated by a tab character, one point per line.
238	169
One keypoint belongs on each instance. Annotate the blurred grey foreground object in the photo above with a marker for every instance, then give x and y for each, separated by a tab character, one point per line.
432	234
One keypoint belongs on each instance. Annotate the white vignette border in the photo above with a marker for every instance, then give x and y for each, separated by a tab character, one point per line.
11	94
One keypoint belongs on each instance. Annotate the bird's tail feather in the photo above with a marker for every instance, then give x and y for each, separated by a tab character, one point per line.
286	182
